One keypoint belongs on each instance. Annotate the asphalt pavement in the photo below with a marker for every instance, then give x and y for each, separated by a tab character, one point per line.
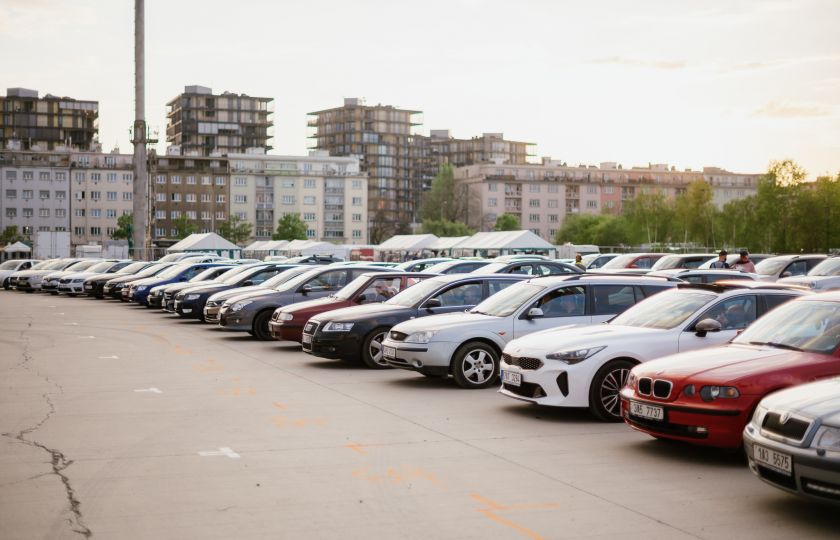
123	422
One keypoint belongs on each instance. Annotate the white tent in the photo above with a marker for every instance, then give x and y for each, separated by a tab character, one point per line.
17	247
445	244
403	244
256	246
313	247
208	243
505	243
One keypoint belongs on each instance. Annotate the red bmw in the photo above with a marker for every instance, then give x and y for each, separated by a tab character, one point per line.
707	396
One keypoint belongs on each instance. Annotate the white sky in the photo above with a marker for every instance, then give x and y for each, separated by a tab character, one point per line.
732	83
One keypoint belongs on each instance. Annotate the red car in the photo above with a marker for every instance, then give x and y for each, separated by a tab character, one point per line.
286	323
708	396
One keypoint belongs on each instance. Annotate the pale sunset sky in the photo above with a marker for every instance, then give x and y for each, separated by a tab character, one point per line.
733	83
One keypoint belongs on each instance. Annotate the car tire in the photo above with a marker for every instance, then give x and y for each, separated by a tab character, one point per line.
260	326
372	349
604	392
475	365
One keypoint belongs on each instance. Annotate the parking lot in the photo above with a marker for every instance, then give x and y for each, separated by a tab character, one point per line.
123	422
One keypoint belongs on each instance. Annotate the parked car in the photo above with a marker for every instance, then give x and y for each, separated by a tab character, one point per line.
419	265
732	258
287	322
682	260
73	283
633	260
706	397
214	303
94	285
313	259
458	266
782	266
593	261
178	257
138	291
41	265
533	267
30	280
189	303
587	367
356	333
793	440
695	275
822	277
114	286
252	312
14	265
49	283
157	293
469	345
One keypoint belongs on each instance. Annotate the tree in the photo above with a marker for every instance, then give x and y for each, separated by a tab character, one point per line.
290	227
507	222
124	224
445	200
184	227
236	230
695	214
443	227
10	235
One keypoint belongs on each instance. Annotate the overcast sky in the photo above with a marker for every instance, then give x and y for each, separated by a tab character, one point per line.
732	83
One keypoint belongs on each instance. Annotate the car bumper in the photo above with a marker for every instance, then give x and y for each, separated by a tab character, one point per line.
431	358
552	385
212	314
71	288
154	301
26	285
238	321
812	476
190	309
283	331
719	427
340	346
50	287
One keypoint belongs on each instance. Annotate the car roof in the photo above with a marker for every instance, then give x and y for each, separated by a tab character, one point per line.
600	278
452	278
793	256
398	273
680	271
737	284
828	296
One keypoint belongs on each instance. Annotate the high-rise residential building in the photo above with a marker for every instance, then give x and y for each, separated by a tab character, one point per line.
382	136
101	190
30	122
329	193
542	195
200	122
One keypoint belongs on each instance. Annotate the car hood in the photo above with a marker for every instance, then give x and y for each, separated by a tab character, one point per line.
814	400
240	293
806	281
77	275
580	336
206	289
453	322
315	306
124	279
148	281
355	313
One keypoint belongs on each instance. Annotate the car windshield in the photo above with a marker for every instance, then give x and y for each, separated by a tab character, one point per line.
81	266
55	265
232	276
171	257
491	268
172	271
153	270
812	326
42	265
133	268
829	267
207	274
667	262
620	262
285	276
348	291
101	267
665	310
506	301
301	278
771	266
417	293
9	265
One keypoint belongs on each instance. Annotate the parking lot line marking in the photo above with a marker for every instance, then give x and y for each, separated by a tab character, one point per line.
86	337
222	451
71	324
112	357
492	507
151	390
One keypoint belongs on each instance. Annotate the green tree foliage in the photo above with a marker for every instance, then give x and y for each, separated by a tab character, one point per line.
507	222
602	230
445	200
10	235
236	230
184	227
443	227
290	227
124	224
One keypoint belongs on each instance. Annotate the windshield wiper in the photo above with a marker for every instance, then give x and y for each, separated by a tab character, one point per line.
776	345
478	312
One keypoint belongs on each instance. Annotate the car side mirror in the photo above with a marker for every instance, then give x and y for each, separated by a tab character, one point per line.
535	313
306	289
247	283
786	274
432	303
361	298
705	326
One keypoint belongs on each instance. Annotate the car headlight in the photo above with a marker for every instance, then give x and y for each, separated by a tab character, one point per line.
142	288
420	337
338	326
191	297
239	305
78	280
213	303
828	438
288	317
711	393
631	380
576	356
758	415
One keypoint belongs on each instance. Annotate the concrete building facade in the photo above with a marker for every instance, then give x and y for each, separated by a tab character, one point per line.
101	189
35	190
30	122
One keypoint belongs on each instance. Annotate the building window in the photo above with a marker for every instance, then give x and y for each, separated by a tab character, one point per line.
160	179
79	231
205	197
357	233
96	231
191	214
127	177
173	231
160	214
309	200
609	190
240	181
190	197
95	195
309	216
79	177
492	201
191	180
534	218
242	199
220	198
592	204
534	188
288	199
111	213
112	177
27	175
492	186
11	193
60	213
61	195
28	212
357	217
96	212
552	203
220	215
11	212
60	176
310	233
288	183
220	180
592	189
43	176
159	231
175	214
160	197
176	197
110	231
11	175
610	204
242	215
357	184
174	180
27	193
357	201
553	218
309	184
534	203
111	195
79	212
95	176
127	195
205	181
205	215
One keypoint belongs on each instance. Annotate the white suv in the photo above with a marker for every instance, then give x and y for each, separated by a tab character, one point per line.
468	345
587	367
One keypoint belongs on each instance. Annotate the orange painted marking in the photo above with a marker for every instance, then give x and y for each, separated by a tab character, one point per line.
396	475
283	422
279	405
492	507
356	447
238	392
210	366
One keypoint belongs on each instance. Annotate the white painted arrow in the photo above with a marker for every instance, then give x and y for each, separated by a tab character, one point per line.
87	337
222	451
114	357
151	390
71	324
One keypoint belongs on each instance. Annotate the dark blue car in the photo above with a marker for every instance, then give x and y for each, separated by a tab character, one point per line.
139	290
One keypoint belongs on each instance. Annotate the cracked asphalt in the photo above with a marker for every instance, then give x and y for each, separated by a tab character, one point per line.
122	422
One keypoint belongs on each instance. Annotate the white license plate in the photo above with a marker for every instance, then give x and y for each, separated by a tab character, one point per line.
773	460
509	377
307	338
643	410
389	352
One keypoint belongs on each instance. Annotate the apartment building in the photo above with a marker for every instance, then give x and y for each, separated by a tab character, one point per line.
30	122
196	187
35	191
199	121
329	193
101	190
542	195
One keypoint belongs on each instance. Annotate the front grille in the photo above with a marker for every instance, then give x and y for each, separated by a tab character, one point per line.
644	386
398	336
662	389
309	327
793	428
667	428
522	361
820	489
64	280
526	389
776	477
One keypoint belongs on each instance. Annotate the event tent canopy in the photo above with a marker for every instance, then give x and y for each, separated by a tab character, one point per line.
506	242
17	247
407	242
206	242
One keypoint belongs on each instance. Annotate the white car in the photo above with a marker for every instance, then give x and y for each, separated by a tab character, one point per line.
587	367
49	283
14	265
823	277
468	345
73	283
30	280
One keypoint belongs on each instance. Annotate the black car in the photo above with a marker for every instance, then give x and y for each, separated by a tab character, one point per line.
113	287
157	297
189	303
533	268
356	332
94	284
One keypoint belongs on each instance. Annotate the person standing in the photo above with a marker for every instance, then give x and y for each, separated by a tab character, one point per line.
721	262
744	264
579	262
